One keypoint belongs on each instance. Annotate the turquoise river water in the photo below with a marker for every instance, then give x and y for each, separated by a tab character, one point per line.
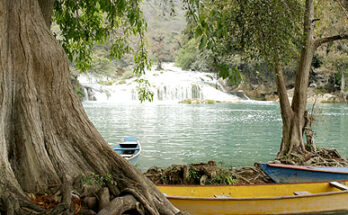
231	134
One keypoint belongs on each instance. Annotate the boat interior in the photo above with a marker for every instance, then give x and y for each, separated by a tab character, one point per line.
253	191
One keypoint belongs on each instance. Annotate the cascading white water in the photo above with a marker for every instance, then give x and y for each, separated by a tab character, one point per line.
86	98
168	85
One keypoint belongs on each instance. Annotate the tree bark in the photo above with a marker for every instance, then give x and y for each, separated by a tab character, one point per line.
343	82
45	134
293	124
47	9
285	108
295	120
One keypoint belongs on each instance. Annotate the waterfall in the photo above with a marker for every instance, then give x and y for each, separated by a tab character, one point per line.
168	85
85	92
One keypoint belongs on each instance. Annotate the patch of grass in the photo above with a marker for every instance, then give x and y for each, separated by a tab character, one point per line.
330	102
209	101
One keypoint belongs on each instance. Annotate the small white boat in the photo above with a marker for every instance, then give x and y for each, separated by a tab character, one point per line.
129	149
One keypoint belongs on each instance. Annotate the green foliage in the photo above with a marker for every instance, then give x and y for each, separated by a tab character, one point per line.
209	101
127	75
100	180
255	29
84	23
143	90
194	174
187	55
330	102
223	177
79	92
317	61
191	58
322	90
230	71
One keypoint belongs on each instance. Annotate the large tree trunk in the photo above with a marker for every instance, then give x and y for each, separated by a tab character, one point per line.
46	138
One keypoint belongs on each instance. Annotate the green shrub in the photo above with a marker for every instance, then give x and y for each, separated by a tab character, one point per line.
187	55
322	90
223	178
127	75
330	102
209	101
79	92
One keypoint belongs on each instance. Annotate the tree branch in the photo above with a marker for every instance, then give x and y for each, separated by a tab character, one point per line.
319	42
285	107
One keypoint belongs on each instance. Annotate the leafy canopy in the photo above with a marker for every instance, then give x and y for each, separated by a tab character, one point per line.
269	30
84	23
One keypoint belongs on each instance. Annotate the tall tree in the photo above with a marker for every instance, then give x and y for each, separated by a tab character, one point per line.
270	30
158	49
46	139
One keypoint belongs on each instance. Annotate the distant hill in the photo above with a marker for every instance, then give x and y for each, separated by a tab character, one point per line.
160	22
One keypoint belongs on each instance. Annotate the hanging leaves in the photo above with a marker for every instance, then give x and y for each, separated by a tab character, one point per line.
84	23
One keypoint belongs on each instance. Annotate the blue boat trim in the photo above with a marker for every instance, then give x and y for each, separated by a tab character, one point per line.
281	173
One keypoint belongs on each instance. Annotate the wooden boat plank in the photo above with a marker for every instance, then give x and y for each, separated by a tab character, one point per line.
299	193
338	185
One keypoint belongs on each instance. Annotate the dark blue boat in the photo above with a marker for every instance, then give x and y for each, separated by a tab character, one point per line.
129	149
281	173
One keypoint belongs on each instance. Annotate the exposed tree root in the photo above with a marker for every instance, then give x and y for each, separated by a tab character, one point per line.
212	174
321	157
192	174
141	199
120	205
67	200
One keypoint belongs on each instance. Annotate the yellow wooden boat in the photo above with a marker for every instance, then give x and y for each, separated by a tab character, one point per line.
299	198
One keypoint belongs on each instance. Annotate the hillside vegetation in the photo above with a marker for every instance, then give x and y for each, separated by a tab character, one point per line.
170	39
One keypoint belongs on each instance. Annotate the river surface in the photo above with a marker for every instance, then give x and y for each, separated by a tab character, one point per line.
234	135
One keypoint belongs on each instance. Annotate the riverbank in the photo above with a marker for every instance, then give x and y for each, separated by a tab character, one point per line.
209	173
314	95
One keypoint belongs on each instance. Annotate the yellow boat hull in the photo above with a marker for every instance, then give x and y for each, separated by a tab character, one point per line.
258	199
